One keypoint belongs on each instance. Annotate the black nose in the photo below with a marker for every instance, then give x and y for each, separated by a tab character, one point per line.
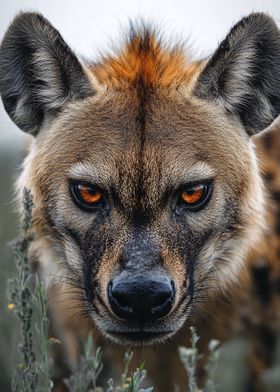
141	299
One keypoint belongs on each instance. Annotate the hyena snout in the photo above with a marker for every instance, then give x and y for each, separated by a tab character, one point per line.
141	298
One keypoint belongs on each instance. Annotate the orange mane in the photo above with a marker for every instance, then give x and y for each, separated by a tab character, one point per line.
144	60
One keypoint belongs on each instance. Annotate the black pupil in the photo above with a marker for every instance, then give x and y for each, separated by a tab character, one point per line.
193	190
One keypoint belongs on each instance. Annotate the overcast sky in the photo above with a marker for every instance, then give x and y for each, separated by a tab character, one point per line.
89	25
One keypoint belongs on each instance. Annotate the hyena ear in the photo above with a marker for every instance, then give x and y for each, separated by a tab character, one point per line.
39	73
243	75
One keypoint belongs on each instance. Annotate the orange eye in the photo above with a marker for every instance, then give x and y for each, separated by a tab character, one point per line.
195	196
88	194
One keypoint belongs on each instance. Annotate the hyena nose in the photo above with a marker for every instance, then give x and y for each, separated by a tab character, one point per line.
141	300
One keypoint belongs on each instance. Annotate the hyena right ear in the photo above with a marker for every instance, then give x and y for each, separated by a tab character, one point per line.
243	75
39	73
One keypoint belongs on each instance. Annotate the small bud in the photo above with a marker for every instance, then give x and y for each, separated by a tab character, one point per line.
21	366
11	306
54	341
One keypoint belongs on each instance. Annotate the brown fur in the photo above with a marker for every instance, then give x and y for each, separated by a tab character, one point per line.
145	128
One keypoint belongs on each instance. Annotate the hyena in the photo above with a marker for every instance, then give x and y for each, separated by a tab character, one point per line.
154	188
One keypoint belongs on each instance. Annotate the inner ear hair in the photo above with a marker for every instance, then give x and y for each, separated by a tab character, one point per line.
39	73
243	75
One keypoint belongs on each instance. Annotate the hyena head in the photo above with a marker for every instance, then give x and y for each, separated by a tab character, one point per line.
146	188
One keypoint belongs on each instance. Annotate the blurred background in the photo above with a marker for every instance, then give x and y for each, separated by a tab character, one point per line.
90	26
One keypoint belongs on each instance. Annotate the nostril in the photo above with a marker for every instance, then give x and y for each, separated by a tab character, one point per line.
118	296
122	300
162	298
119	302
163	302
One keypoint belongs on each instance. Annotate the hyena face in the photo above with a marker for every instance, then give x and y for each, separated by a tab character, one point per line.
145	180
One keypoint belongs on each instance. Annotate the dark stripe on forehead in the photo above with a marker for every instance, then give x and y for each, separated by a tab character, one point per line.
143	96
140	216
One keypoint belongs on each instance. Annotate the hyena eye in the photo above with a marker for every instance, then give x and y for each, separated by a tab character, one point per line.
194	197
86	196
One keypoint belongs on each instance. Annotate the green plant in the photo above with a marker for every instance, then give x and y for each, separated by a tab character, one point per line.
42	330
26	374
28	300
190	356
85	377
130	383
214	346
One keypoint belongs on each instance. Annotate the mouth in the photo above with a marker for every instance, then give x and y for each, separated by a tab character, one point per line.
139	337
133	333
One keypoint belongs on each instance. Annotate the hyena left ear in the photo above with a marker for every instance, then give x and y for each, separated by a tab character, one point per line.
39	73
243	75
